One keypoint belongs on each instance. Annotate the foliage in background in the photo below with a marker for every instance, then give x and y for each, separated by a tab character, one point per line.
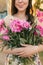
39	4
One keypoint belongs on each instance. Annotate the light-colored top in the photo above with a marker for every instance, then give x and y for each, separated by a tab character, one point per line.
7	19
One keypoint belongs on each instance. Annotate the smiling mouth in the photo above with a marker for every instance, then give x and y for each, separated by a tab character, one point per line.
21	6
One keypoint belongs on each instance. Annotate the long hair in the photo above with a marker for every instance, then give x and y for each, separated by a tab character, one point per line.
28	9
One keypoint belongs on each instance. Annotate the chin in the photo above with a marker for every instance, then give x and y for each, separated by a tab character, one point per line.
21	9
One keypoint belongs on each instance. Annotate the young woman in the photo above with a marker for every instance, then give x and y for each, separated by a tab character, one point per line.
20	9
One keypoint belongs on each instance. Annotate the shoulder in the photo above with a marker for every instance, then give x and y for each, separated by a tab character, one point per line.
7	19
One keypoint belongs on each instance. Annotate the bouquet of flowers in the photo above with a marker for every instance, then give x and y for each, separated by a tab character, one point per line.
20	31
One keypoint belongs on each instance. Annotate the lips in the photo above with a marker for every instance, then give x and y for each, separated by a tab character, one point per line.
21	6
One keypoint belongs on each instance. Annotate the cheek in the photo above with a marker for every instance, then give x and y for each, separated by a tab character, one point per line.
26	4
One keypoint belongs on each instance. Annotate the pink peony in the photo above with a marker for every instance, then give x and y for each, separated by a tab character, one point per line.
40	29
5	38
1	22
15	26
18	25
39	15
3	30
26	25
40	19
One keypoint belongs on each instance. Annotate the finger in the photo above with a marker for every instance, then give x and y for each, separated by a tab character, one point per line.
24	45
18	50
22	53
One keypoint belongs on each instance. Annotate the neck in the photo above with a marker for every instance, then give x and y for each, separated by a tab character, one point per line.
21	15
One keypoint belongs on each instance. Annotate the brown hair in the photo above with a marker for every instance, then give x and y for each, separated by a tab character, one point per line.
29	10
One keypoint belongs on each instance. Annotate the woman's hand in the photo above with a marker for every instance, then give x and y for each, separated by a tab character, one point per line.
26	51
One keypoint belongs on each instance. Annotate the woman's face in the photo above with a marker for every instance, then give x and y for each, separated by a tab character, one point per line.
21	5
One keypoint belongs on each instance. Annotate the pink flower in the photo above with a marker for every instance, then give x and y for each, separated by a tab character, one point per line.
5	38
15	26
40	19
18	25
39	15
40	29
3	30
26	25
1	22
